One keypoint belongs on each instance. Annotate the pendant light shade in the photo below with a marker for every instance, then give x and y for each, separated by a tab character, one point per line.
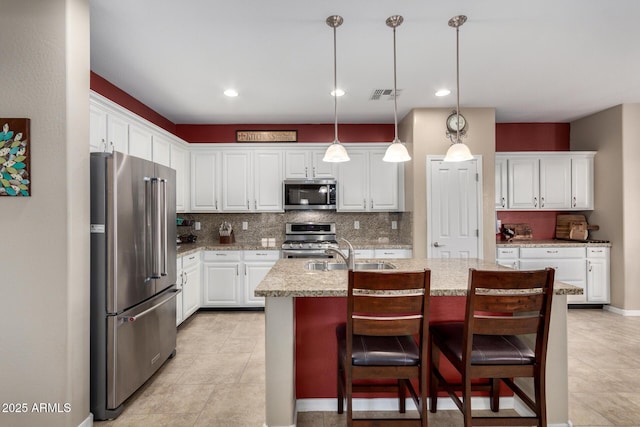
458	151
335	152
397	151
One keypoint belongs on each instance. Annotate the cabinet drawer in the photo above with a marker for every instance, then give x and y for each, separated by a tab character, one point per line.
189	260
567	270
507	253
222	256
597	252
552	252
392	253
261	255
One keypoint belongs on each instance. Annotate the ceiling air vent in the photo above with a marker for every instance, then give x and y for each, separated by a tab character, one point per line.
383	94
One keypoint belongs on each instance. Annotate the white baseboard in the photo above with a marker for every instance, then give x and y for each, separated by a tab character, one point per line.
390	404
88	422
621	311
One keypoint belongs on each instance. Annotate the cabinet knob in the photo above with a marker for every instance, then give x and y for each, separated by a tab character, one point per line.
542	202
574	202
306	172
502	202
314	171
535	202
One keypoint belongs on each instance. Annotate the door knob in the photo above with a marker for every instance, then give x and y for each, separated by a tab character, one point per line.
437	245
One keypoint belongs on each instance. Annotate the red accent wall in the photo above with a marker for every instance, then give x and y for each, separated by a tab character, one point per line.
105	88
532	137
316	345
196	133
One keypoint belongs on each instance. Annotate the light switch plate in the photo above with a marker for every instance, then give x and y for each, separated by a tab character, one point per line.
356	225
197	225
245	225
394	225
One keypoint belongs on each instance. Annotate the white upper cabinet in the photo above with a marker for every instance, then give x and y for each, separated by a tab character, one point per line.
204	181
555	183
546	180
140	142
107	131
307	164
582	182
252	181
367	184
161	150
180	162
501	182
523	175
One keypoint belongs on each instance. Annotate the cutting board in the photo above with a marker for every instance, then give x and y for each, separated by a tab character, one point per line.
573	227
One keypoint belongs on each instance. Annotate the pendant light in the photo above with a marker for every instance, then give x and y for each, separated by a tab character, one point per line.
458	151
335	152
396	152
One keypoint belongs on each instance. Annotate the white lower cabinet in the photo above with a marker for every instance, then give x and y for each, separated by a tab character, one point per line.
585	267
188	280
363	254
598	281
230	277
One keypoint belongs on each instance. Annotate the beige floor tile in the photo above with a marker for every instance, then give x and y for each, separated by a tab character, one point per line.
215	368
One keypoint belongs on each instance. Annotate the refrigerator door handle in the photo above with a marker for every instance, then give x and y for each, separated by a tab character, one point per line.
156	229
174	293
164	228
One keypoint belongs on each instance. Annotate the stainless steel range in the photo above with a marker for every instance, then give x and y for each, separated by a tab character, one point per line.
309	239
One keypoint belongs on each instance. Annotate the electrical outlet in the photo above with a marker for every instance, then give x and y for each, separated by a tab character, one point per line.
356	225
197	225
245	225
394	225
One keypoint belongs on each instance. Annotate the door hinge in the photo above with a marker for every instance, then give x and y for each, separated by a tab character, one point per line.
477	232
477	177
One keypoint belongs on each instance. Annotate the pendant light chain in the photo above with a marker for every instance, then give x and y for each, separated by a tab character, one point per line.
458	83
395	88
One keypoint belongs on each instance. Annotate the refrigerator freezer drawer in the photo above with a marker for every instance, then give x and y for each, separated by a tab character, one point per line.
139	341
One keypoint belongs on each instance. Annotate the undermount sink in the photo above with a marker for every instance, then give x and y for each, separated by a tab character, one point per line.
369	265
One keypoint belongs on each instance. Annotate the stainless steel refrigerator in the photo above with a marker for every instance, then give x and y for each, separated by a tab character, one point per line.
133	276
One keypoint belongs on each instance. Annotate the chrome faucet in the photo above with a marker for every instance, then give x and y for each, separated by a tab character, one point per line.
349	260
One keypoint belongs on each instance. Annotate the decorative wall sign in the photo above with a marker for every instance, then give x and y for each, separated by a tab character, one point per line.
266	136
15	157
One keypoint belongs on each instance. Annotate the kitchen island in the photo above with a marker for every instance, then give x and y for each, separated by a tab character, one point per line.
304	305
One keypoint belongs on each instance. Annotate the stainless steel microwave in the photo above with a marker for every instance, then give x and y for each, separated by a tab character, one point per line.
309	194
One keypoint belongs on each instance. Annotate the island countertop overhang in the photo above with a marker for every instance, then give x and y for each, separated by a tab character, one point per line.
289	278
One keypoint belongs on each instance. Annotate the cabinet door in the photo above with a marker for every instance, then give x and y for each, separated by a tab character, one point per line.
179	282
180	162
296	164
254	272
501	183
236	178
582	183
140	142
191	290
353	183
117	133
204	182
320	169
555	183
383	183
523	183
161	150
221	284
97	129
267	181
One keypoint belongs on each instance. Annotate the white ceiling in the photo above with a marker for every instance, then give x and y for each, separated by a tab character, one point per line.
534	61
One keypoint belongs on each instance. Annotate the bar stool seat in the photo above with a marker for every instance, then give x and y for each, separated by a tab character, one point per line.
379	351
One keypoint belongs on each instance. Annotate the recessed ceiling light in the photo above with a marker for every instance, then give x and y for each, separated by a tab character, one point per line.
338	92
443	92
231	93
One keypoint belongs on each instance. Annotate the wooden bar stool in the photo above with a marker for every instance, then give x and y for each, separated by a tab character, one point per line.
501	305
385	338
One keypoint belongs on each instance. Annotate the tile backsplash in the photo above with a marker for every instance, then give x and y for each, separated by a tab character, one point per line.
373	228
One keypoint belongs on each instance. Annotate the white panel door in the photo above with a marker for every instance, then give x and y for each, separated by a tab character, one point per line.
97	129
117	133
297	165
161	150
582	182
221	284
320	169
501	183
555	183
453	209
180	163
254	272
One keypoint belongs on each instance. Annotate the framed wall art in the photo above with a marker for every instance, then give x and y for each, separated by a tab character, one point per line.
15	170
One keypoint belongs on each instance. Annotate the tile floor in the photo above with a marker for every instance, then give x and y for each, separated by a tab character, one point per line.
217	376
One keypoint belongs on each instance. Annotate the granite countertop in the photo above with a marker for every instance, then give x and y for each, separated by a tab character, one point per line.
548	242
449	277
